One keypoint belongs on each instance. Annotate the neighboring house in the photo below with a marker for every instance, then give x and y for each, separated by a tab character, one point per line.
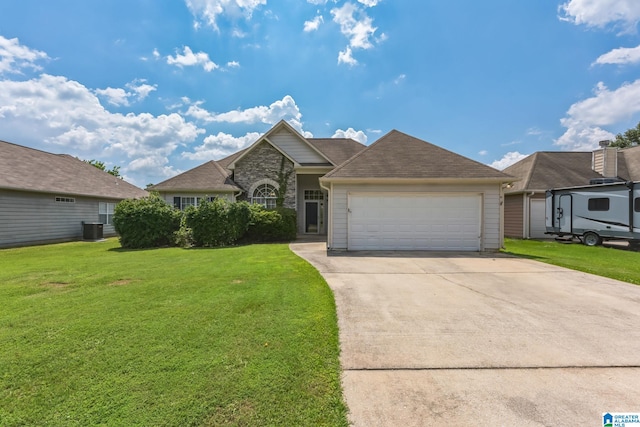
524	212
399	193
46	197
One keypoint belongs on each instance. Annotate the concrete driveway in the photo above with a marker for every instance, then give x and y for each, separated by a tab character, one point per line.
472	339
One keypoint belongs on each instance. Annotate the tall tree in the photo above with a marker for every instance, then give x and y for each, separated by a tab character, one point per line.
115	171
630	138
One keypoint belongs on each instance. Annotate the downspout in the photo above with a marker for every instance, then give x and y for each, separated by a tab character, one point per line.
329	218
631	185
501	216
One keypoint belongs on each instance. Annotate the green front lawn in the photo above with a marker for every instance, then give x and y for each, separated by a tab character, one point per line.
608	262
94	335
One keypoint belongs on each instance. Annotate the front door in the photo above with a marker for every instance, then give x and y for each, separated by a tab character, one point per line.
311	223
564	214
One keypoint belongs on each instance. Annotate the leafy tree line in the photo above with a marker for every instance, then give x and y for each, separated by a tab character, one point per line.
115	171
630	138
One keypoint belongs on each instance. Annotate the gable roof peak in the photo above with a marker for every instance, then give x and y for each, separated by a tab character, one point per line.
397	155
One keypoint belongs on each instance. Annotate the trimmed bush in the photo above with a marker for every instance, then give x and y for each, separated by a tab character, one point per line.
146	223
277	225
218	223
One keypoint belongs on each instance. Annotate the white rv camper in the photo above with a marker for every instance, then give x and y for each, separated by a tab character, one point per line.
595	213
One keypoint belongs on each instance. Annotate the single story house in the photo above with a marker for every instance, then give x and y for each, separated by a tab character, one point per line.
400	193
524	210
280	160
47	197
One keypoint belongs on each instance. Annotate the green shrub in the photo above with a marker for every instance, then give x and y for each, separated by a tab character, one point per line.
184	236
145	223
218	223
277	225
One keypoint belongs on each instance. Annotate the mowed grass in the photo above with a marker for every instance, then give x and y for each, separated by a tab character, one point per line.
604	261
94	335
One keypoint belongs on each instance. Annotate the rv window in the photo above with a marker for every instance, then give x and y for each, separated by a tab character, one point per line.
636	204
599	204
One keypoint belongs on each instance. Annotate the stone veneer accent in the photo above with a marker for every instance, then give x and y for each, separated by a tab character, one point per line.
263	161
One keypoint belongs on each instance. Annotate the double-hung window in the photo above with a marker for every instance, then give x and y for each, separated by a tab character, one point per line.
105	212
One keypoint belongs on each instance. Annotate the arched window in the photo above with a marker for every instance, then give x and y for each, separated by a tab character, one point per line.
265	195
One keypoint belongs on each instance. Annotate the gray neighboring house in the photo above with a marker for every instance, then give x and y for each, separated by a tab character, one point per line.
524	211
46	197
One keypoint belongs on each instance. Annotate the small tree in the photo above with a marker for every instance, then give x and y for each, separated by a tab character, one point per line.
146	223
630	138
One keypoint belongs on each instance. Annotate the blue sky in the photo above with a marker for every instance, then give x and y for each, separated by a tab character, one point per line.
159	87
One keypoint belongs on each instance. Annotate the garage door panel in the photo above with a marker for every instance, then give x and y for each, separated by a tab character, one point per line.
422	222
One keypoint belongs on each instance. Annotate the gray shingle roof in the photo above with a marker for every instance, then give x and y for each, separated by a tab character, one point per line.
398	155
551	169
27	169
629	163
338	150
209	176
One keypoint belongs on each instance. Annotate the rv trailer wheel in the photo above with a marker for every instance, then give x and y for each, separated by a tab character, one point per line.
591	239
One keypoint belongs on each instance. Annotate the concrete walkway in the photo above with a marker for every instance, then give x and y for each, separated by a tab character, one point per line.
471	339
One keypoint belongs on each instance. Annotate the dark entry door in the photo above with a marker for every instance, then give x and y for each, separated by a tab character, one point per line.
311	217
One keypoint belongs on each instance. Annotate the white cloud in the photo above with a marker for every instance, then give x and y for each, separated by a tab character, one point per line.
358	30
221	145
318	2
189	59
120	97
369	3
583	138
622	55
359	135
346	57
141	88
607	107
507	160
483	152
14	56
600	13
314	24
156	54
65	113
114	96
284	109
399	79
233	64
210	10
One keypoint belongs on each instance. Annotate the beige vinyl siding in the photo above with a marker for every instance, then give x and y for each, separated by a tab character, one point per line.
31	218
298	150
490	209
514	216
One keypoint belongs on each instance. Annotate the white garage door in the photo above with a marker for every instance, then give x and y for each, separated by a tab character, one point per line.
536	220
449	222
